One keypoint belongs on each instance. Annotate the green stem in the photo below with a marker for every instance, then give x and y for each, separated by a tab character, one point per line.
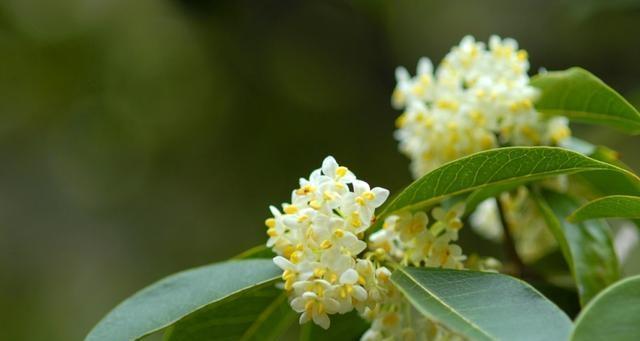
509	244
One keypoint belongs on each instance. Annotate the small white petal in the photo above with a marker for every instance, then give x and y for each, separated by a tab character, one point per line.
276	213
349	277
359	293
329	166
283	263
425	66
298	304
381	196
402	75
322	320
331	305
360	187
304	318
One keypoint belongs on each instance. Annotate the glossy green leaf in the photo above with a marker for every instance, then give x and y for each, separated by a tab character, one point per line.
173	298
347	327
483	305
261	313
587	247
496	167
614	206
607	183
583	97
612	315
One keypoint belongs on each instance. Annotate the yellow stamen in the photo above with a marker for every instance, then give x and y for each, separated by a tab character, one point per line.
271	222
521	55
304	190
448	105
328	195
288	284
288	250
309	307
369	195
319	272
401	120
455	224
295	257
341	171
290	209
428	122
390	320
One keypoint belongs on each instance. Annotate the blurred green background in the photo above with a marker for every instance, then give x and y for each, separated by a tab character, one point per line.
139	138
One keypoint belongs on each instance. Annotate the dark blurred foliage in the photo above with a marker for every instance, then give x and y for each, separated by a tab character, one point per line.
138	138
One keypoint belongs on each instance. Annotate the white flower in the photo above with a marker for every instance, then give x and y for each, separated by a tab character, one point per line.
449	219
349	293
445	255
315	305
359	205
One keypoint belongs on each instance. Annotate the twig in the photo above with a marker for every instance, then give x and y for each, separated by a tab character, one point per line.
509	243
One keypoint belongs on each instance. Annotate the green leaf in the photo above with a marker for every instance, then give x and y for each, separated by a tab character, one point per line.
583	97
587	246
483	305
345	327
259	251
614	206
496	167
612	315
172	298
607	183
261	313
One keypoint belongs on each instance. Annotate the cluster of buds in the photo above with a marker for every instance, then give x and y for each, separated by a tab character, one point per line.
317	239
478	98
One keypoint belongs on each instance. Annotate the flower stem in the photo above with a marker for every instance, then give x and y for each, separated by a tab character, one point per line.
511	253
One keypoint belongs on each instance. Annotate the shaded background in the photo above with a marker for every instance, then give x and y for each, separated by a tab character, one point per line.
139	138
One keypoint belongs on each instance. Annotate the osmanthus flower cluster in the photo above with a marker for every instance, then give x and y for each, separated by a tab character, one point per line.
329	269
478	98
317	239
